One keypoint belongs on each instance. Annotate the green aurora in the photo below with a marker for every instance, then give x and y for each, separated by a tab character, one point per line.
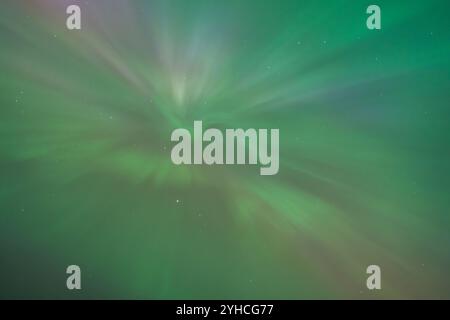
86	176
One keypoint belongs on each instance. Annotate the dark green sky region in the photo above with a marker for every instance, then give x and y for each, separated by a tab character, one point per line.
86	176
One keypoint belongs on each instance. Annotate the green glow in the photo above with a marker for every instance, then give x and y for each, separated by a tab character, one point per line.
86	175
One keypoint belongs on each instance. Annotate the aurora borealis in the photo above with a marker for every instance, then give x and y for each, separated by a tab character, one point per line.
86	175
